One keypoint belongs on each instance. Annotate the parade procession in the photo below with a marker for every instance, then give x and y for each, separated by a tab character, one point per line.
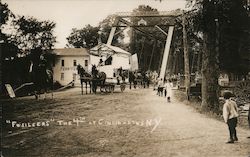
125	78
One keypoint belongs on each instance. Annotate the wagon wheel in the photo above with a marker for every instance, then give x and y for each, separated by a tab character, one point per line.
107	89
112	88
242	91
122	86
102	88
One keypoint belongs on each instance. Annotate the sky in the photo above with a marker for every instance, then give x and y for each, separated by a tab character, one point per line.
68	14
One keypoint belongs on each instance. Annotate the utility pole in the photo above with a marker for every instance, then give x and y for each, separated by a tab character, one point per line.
186	53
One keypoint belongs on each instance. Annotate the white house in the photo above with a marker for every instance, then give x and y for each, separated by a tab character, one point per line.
109	58
66	62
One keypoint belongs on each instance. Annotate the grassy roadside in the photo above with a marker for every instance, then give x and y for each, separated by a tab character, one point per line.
196	104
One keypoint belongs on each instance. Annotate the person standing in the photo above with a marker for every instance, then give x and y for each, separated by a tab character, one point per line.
230	115
160	87
131	79
154	79
165	89
168	88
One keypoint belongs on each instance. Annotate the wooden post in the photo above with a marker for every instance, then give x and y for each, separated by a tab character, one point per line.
186	54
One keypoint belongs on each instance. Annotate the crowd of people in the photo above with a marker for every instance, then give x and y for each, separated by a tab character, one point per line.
143	79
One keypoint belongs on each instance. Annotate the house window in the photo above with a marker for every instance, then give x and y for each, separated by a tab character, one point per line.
86	63
62	76
74	63
62	63
108	61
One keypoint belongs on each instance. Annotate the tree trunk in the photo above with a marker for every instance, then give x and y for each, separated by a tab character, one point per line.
210	71
210	57
1	81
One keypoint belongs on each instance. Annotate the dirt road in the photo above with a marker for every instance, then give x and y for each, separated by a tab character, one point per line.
134	123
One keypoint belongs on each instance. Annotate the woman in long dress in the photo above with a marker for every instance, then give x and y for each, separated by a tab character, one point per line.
168	88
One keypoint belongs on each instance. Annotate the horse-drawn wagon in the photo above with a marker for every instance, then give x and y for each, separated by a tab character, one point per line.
109	68
99	80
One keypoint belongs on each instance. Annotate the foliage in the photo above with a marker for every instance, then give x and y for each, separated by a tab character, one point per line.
32	34
26	33
5	13
234	30
105	28
26	41
8	49
88	36
224	25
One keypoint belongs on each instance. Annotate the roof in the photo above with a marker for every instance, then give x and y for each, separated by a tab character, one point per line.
71	52
104	48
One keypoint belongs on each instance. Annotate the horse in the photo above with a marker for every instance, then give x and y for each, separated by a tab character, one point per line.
42	77
131	79
98	78
84	77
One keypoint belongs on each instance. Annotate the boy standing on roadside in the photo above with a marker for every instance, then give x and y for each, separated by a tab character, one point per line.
230	114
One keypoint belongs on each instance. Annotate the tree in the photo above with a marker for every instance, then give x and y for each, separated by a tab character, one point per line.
86	37
31	33
5	13
224	24
234	37
7	49
105	28
27	36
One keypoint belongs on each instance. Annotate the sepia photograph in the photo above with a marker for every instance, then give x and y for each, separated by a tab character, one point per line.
125	78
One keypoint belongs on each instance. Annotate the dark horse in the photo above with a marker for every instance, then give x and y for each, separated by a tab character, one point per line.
84	77
98	78
42	77
132	79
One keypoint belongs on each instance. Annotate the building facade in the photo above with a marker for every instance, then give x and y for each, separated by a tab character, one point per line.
65	65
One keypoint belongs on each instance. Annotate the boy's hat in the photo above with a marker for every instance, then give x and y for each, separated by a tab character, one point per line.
227	94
